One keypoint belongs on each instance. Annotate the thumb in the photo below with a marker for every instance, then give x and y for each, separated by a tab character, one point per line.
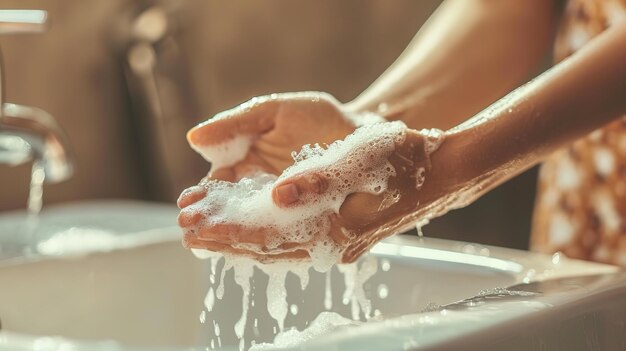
298	189
250	118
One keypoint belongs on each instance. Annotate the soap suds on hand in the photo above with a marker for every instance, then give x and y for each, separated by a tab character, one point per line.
227	153
346	164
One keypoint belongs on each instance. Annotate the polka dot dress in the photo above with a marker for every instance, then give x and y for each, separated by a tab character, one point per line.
581	203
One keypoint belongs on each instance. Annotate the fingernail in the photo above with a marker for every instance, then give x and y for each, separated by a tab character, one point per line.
287	193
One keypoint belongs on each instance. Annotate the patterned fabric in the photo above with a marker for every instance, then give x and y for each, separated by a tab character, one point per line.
581	202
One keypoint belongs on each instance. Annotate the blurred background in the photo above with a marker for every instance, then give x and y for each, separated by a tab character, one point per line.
125	79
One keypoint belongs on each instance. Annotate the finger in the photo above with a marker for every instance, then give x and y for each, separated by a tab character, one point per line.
300	188
360	208
191	241
235	233
250	118
190	196
297	255
187	218
227	174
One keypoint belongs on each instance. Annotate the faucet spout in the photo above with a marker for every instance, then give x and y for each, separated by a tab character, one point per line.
38	135
28	133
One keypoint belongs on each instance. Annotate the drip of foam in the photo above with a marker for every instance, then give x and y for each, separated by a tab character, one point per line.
301	270
216	332
355	276
328	293
277	295
243	272
354	280
421	224
209	300
369	267
219	292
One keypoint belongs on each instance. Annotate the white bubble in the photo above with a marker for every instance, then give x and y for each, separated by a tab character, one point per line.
385	265
383	291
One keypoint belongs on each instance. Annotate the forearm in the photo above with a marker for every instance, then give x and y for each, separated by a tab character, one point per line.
579	95
466	56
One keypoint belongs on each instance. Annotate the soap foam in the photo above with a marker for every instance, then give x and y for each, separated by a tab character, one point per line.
356	164
227	153
434	138
325	323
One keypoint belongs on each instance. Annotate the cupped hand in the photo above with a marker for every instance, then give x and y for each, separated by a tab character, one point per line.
273	126
361	218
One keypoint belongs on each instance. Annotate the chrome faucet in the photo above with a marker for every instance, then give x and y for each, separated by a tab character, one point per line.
28	133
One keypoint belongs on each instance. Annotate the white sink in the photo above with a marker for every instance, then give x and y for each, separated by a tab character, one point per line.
133	286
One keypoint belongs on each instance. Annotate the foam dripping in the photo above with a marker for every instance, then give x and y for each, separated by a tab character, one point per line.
355	277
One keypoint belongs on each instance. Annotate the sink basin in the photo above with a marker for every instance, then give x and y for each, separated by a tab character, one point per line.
114	276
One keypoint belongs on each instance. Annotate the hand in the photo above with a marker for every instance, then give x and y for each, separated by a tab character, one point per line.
363	217
275	126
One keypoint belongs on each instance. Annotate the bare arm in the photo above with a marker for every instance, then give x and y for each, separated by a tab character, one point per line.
469	54
577	96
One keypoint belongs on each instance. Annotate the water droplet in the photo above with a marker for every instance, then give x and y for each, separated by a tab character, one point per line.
385	265
383	291
556	258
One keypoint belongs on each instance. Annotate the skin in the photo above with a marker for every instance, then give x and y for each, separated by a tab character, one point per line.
355	228
502	44
280	123
502	141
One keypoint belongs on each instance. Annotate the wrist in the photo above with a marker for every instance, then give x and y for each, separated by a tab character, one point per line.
366	104
454	164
